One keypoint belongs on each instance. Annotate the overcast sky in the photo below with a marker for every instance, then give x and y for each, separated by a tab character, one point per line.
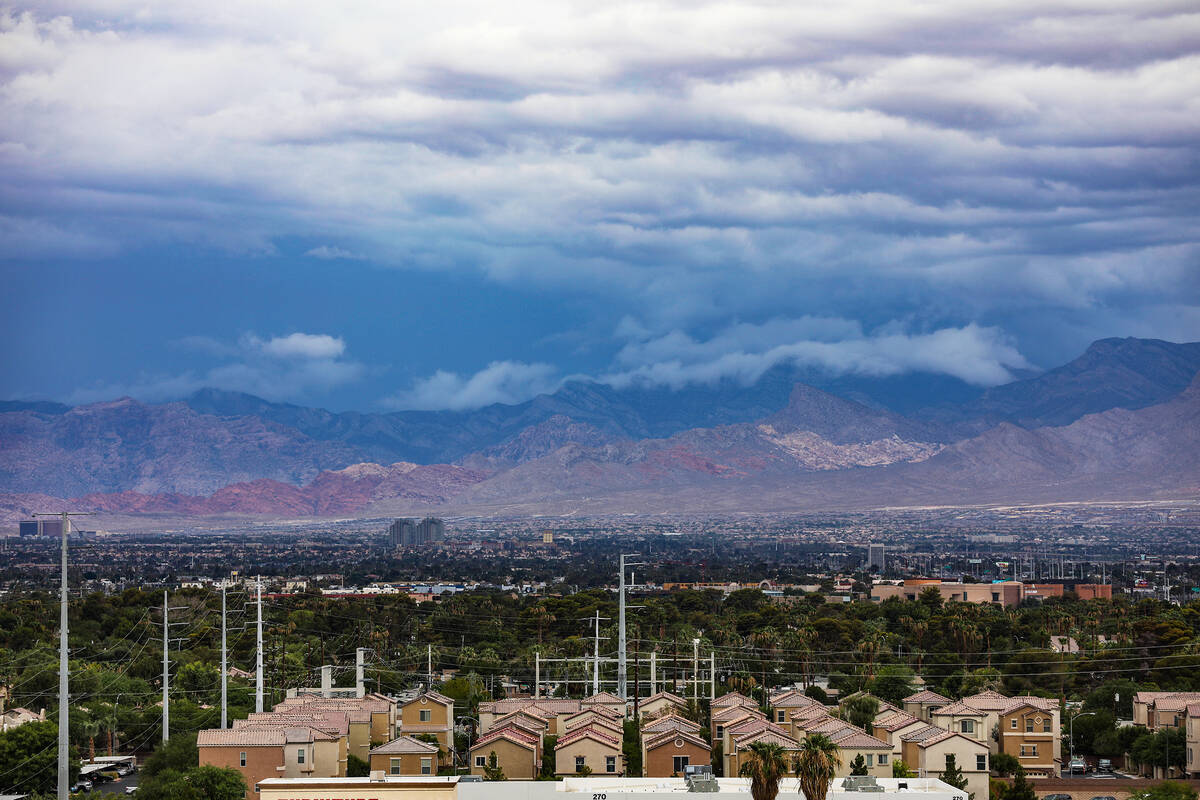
443	205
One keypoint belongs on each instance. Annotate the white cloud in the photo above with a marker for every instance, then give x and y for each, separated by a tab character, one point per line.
500	382
331	253
297	366
320	346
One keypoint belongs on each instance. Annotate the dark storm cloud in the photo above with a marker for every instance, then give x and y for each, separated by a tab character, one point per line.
927	173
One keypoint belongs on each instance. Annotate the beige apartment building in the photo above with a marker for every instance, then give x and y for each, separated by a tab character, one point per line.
431	714
594	748
929	754
924	703
667	754
1030	733
551	709
261	752
772	734
1192	746
893	727
656	705
405	756
518	753
961	718
1156	710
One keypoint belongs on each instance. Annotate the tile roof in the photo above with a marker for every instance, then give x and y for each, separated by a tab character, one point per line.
733	713
958	709
895	721
810	712
546	705
670	722
754	728
857	740
670	736
831	727
668	696
926	696
530	717
602	735
405	744
1176	701
921	734
771	736
430	697
793	699
508	734
602	697
987	701
242	737
733	699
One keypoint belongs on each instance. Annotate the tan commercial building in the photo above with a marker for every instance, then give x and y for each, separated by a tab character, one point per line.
405	756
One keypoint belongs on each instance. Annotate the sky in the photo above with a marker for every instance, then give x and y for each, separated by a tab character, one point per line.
383	206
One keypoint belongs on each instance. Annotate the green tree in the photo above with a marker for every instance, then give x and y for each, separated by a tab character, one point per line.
952	774
860	710
859	765
1005	764
356	767
198	783
1020	789
631	746
29	756
816	764
1166	790
493	772
901	770
178	753
893	683
765	765
549	757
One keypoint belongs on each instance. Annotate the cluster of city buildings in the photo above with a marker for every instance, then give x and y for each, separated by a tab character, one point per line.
1004	593
411	533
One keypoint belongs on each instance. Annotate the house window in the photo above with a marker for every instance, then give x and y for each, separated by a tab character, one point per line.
870	759
1029	725
394	766
481	761
426	765
995	597
883	759
781	716
426	715
579	763
1029	750
720	731
300	756
678	764
1014	723
968	726
242	758
981	762
610	763
1046	726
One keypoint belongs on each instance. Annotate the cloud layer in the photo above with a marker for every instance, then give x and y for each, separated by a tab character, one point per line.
946	176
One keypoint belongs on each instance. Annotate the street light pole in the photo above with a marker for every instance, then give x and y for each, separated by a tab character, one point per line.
1072	732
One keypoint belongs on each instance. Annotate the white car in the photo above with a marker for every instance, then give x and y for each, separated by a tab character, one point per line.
130	790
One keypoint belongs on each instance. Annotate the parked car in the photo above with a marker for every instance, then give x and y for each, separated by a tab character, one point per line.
1078	766
1105	765
1104	797
130	790
1057	797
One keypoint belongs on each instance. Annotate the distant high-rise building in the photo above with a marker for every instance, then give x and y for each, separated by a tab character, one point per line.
876	558
547	537
40	527
410	533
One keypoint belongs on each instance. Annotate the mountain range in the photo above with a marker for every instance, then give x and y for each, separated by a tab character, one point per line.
1122	421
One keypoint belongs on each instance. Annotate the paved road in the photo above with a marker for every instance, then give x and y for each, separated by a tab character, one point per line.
115	788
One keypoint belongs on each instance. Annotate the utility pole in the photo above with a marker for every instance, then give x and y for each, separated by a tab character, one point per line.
653	672
166	732
712	675
429	667
258	669
696	671
224	665
537	675
596	662
64	747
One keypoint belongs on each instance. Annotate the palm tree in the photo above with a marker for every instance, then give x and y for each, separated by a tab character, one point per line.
765	764
817	763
